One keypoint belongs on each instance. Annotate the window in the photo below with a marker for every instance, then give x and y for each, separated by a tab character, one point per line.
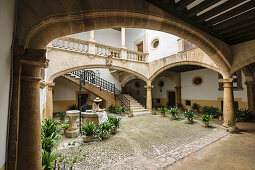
188	45
237	83
154	43
187	102
197	81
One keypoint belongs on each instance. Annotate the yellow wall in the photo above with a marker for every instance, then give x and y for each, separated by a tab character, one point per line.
62	105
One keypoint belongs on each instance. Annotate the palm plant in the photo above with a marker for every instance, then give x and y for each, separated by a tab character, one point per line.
73	107
163	111
206	118
48	159
189	114
242	114
195	106
104	129
174	112
88	129
62	116
114	120
112	109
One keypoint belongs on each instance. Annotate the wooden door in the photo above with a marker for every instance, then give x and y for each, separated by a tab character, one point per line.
140	47
171	99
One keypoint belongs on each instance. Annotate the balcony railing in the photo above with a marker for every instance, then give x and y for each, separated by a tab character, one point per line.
89	47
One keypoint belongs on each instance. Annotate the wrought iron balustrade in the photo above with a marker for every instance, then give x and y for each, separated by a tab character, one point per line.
91	77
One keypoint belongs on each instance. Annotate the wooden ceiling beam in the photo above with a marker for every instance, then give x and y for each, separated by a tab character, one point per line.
182	4
233	12
249	37
234	21
222	7
233	34
200	7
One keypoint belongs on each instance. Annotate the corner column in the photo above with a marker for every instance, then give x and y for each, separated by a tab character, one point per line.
92	45
29	141
251	96
49	100
228	101
149	97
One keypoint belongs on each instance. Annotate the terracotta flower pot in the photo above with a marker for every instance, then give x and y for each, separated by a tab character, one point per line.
153	112
190	120
220	118
88	139
163	115
114	131
130	115
206	124
173	117
105	137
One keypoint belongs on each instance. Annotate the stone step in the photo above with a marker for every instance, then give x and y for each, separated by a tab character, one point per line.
142	113
137	108
140	110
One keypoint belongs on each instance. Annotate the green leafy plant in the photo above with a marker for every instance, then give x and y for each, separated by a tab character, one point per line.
73	107
242	114
213	111
179	106
112	109
62	116
206	118
48	159
104	129
114	120
195	106
88	129
174	111
162	110
189	114
231	123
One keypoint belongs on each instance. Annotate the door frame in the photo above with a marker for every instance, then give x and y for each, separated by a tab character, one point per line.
167	95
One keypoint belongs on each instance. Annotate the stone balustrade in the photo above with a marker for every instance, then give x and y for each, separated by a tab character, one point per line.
82	46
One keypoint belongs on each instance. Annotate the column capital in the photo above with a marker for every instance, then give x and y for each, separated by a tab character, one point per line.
50	85
229	80
35	57
148	87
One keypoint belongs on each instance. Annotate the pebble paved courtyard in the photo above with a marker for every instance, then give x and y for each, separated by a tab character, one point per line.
145	142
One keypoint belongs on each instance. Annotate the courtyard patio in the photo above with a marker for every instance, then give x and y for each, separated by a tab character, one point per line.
145	142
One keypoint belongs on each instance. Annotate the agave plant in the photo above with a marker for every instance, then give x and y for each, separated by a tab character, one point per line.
189	114
174	112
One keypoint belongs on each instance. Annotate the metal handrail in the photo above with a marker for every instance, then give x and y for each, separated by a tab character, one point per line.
91	77
139	98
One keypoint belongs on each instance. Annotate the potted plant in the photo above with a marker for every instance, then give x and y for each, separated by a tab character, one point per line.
179	106
195	106
189	114
123	111
73	107
154	111
220	116
119	110
206	119
89	130
232	128
163	111
242	114
115	123
62	116
104	129
130	113
174	112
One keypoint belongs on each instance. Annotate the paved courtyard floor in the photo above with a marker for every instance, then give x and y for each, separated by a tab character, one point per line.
145	142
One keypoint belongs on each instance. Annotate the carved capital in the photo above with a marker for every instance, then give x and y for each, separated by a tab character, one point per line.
42	84
227	83
149	87
50	85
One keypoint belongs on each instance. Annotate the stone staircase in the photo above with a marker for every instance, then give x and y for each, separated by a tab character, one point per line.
138	109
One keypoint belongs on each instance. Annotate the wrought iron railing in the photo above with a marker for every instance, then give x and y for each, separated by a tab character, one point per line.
139	98
91	77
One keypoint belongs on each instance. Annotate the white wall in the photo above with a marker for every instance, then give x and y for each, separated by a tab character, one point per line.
142	90
104	36
209	89
168	45
132	35
6	32
168	85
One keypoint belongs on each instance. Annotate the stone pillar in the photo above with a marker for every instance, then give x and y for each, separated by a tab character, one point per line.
251	96
178	94
29	143
49	100
72	131
123	38
228	101
92	36
149	97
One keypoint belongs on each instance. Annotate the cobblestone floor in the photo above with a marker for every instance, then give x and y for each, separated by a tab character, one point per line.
145	142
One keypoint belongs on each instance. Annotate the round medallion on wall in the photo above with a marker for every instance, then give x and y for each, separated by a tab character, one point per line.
161	83
137	84
154	43
197	81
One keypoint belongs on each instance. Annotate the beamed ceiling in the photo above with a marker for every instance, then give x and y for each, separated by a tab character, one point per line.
232	21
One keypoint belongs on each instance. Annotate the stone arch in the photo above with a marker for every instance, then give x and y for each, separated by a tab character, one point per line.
130	15
179	64
63	72
128	79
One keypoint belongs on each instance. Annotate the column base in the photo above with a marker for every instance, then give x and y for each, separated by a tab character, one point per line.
72	133
230	129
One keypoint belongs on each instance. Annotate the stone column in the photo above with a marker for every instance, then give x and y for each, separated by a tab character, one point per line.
149	97
92	45
123	38
29	143
92	35
178	94
228	101
251	96
49	100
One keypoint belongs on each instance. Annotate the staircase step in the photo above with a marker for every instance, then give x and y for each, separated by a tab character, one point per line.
140	110
142	113
137	107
